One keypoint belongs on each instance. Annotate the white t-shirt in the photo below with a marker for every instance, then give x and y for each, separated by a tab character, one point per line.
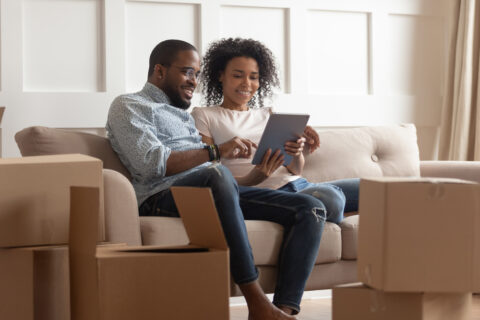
223	124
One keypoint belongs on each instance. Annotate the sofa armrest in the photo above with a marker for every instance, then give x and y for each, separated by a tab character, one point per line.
122	223
467	170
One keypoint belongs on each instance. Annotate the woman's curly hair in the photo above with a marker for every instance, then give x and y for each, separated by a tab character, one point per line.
221	52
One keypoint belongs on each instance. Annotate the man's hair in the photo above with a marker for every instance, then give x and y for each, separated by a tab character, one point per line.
221	52
166	51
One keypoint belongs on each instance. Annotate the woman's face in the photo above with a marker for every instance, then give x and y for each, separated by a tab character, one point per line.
240	81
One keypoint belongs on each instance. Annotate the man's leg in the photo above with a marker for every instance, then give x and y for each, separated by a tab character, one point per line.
225	192
303	218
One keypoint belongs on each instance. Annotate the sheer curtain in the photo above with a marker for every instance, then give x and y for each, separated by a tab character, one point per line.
460	125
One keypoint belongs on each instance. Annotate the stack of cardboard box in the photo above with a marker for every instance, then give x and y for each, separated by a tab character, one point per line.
418	251
50	201
34	223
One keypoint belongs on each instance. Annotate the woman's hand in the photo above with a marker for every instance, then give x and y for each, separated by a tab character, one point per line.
270	163
312	138
295	148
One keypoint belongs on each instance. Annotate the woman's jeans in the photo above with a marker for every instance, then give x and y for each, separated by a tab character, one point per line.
325	192
302	216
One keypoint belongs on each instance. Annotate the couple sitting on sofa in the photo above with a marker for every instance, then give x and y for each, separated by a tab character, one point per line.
156	139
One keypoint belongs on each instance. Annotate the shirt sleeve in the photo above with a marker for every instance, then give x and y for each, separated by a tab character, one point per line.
134	137
201	121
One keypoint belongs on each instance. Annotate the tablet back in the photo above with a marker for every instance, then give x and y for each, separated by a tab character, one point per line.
280	128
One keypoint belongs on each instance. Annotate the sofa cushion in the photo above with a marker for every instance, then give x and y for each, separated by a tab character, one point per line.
265	238
349	228
364	152
37	141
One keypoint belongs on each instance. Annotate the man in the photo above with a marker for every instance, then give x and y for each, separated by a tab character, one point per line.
156	139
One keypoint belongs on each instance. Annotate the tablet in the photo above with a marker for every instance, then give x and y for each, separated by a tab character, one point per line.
280	128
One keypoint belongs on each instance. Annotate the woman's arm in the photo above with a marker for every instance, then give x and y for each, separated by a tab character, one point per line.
295	149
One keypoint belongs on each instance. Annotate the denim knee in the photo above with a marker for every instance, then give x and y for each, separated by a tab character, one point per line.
332	197
220	177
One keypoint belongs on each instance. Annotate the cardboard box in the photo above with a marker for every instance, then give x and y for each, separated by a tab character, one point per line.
2	110
419	235
359	302
35	283
35	195
161	282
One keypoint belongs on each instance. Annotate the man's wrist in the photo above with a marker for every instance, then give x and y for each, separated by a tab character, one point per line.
213	152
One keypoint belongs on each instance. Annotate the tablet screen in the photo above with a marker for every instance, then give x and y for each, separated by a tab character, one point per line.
280	128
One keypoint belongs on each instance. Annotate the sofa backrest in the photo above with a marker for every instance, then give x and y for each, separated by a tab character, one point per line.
364	152
36	141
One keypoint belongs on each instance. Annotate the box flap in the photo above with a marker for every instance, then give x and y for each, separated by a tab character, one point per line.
84	211
199	214
2	110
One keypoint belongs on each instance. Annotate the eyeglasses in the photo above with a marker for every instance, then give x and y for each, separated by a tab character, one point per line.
189	72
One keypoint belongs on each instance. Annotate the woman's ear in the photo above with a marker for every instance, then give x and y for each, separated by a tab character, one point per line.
220	76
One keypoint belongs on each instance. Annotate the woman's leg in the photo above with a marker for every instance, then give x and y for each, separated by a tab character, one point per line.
350	188
303	218
332	197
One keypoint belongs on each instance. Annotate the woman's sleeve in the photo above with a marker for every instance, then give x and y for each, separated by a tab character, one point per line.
201	121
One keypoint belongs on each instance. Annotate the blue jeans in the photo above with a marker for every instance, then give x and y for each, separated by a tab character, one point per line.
325	192
302	216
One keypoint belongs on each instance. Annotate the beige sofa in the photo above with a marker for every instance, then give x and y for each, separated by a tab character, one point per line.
344	153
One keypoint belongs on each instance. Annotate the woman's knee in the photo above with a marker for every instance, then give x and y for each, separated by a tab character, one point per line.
333	199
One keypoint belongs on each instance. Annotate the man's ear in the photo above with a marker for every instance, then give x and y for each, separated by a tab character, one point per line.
159	71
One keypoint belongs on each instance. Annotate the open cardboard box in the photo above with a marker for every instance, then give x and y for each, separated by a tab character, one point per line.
359	302
152	282
419	235
35	195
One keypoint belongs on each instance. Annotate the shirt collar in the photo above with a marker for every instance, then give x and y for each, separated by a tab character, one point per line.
156	93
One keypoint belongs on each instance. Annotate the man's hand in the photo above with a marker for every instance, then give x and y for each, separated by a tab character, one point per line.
236	148
312	138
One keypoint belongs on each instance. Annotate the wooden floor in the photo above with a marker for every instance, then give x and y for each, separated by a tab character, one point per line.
320	309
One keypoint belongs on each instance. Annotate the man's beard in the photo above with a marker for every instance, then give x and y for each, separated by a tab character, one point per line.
179	102
176	100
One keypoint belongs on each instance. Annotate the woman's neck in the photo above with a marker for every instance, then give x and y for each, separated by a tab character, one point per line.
230	106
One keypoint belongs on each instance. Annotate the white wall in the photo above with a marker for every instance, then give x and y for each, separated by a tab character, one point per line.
346	62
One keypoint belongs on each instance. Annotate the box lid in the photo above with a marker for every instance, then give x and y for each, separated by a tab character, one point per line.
58	158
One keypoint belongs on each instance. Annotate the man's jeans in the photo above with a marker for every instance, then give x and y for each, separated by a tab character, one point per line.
301	215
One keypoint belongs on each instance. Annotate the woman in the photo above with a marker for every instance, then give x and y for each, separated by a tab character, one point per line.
238	74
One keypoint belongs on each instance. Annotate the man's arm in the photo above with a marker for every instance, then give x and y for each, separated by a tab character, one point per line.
179	161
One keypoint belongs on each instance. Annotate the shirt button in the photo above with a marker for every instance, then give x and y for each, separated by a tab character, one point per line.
374	158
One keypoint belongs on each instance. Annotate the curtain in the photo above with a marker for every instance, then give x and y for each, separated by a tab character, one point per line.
460	123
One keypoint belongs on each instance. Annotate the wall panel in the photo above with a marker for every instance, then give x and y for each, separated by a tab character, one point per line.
345	62
268	25
62	46
147	24
416	54
338	52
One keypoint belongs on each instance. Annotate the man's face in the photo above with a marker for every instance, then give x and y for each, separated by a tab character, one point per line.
180	78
